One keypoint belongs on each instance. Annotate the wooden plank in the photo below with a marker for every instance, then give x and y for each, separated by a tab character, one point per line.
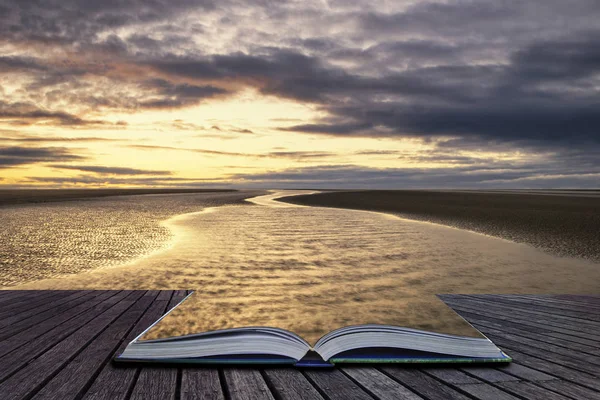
550	348
334	385
530	391
569	361
246	384
201	384
538	334
379	385
423	384
18	296
30	304
568	329
576	305
78	373
48	305
582	310
486	392
9	296
544	356
526	373
526	326
583	326
290	384
155	384
592	299
539	305
8	293
32	377
571	390
39	317
164	373
489	374
114	381
538	311
450	375
22	348
560	371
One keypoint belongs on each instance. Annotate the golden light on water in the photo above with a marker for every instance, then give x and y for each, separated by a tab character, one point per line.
312	269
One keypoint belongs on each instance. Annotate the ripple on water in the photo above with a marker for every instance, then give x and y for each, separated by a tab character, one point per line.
39	241
311	270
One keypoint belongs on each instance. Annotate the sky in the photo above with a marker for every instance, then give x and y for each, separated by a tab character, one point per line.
300	94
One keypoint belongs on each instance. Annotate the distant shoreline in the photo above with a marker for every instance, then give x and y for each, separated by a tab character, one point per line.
25	196
562	225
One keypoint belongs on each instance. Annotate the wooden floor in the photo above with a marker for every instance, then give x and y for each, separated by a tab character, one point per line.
59	345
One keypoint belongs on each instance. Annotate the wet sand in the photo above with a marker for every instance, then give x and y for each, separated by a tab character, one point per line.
63	238
22	196
565	223
314	269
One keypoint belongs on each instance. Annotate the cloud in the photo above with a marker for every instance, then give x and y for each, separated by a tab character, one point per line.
104	170
170	95
20	64
75	22
296	155
14	136
360	177
458	74
101	181
20	113
18	156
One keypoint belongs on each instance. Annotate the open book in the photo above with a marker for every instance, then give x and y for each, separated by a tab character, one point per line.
367	343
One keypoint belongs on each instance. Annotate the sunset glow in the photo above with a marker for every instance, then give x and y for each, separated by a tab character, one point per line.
298	94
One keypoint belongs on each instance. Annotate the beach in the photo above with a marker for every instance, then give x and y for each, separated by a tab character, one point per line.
564	223
44	237
22	196
262	262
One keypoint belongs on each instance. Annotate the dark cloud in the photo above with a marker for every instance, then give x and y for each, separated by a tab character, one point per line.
20	64
360	177
19	113
512	102
300	155
77	21
170	95
18	156
271	71
9	136
103	170
376	152
201	151
332	129
563	60
297	155
86	180
466	75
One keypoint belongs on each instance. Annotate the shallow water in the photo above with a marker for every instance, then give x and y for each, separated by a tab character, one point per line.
39	241
311	269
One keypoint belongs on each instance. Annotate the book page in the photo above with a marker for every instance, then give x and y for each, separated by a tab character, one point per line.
309	317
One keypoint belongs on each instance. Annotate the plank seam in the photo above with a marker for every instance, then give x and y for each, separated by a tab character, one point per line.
41	353
132	384
424	396
314	384
365	389
108	358
270	385
483	324
558	317
546	309
459	387
224	388
51	376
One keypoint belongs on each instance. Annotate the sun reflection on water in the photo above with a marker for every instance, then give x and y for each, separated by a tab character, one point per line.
311	269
